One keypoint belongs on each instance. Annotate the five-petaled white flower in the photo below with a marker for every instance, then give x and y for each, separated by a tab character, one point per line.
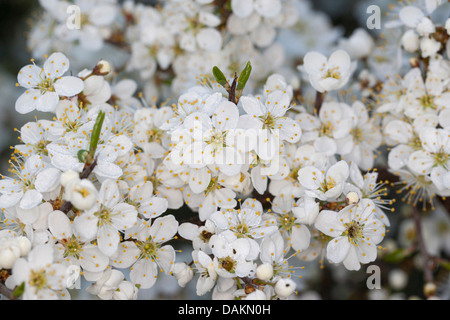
46	85
355	233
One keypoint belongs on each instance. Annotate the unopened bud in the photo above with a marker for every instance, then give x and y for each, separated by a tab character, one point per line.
67	176
102	68
9	253
264	272
414	62
352	197
284	287
429	289
24	245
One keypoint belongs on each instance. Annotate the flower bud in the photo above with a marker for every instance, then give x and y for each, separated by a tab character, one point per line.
67	176
447	26
429	289
398	279
264	271
125	291
24	245
429	47
352	197
284	287
82	194
410	41
183	273
102	68
9	253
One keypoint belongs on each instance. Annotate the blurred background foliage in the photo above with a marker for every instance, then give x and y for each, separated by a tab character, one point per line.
16	19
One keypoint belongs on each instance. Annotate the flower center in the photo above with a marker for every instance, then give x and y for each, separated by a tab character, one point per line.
213	185
268	121
354	231
427	102
228	264
242	229
328	184
357	134
38	279
104	215
293	174
332	73
72	247
205	235
148	248
46	85
326	129
415	143
440	158
286	221
217	138
154	135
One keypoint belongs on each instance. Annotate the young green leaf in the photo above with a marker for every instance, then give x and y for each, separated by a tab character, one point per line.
19	290
220	78
243	77
82	155
95	136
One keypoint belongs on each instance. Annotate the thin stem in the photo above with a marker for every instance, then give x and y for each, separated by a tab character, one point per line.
7	292
320	97
423	250
232	92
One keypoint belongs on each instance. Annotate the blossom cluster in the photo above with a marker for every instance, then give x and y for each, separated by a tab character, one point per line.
170	45
254	170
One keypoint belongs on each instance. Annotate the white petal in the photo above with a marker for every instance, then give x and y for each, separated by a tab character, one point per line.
252	106
69	86
328	222
267	8
242	8
47	180
338	249
86	226
27	101
28	76
226	116
300	237
209	39
92	259
108	239
59	225
411	16
47	102
124	216
310	177
164	228
30	199
56	65
144	273
188	230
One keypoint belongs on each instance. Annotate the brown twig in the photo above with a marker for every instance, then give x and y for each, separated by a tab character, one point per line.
232	92
423	250
320	97
8	293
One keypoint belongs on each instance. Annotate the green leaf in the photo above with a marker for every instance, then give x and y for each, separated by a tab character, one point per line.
19	290
396	256
82	155
95	135
220	78
243	77
445	264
